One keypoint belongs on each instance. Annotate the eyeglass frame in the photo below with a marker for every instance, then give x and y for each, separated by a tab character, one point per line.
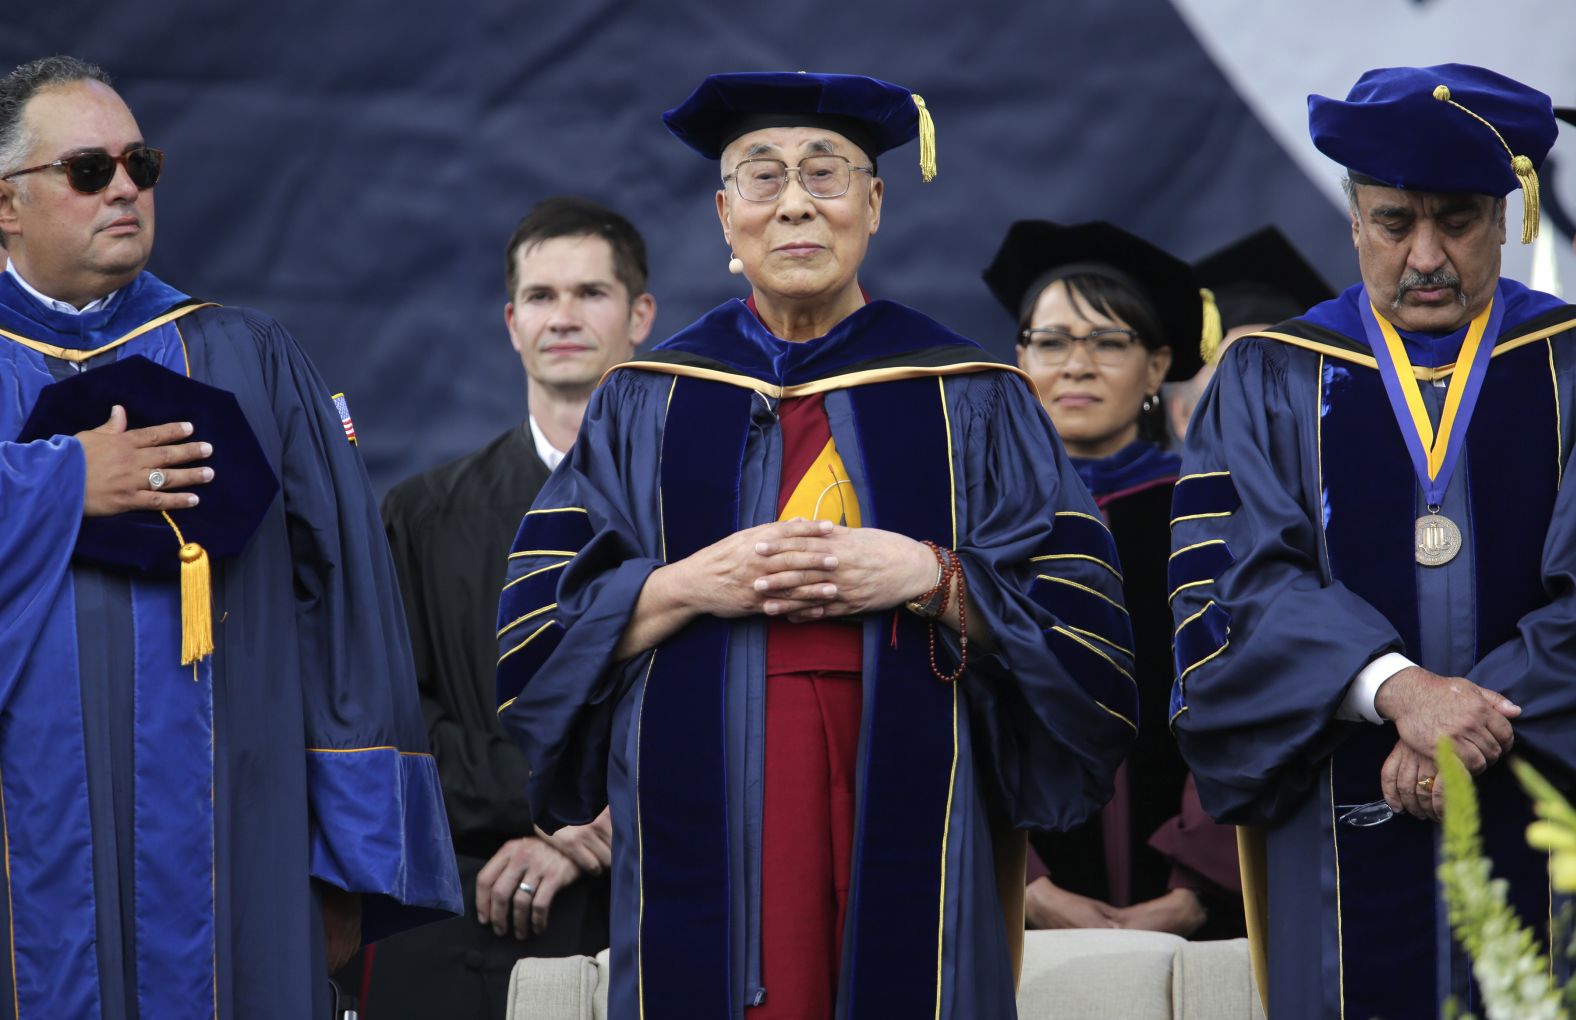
115	161
1026	339
1366	816
783	178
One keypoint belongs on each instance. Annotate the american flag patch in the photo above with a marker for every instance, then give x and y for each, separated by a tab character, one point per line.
344	416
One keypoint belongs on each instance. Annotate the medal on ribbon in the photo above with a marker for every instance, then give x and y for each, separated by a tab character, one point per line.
1434	453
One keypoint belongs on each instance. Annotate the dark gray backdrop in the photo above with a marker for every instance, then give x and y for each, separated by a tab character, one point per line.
355	169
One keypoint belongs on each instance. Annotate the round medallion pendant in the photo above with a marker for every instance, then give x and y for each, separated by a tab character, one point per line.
1438	540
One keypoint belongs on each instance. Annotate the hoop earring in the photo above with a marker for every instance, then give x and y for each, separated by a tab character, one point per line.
735	266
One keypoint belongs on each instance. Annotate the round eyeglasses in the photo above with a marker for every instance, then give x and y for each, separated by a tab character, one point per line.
91	172
763	180
1050	347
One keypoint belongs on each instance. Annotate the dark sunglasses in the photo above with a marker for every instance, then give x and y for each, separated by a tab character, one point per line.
91	172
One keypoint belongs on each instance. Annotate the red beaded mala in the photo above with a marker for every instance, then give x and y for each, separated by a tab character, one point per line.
948	569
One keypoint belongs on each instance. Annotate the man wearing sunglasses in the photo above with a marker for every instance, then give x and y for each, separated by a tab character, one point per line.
186	829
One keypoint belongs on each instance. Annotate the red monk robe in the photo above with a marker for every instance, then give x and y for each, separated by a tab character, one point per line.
813	705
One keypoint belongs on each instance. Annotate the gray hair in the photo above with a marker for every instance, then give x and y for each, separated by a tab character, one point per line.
17	89
21	85
1349	186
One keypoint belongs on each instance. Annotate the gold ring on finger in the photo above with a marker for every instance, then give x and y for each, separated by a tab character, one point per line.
1425	783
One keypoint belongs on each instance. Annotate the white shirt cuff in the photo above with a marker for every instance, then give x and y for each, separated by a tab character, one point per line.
1358	705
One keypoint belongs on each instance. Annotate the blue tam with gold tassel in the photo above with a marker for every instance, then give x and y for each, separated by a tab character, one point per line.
1447	128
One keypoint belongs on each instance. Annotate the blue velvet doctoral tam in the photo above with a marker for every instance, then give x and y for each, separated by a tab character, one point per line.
163	825
683	448
1294	567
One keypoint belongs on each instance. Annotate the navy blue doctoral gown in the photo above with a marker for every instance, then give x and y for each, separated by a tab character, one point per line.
1293	567
683	448
162	824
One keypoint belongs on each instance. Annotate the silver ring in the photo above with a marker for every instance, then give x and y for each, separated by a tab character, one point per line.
527	888
156	479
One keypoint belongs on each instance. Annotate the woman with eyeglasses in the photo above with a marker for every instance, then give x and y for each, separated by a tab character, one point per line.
780	604
1104	318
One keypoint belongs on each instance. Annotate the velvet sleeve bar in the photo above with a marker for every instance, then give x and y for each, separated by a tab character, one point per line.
579	562
378	826
1056	702
1266	643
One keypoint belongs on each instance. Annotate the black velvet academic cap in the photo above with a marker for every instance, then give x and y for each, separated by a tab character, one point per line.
1261	278
230	507
1037	253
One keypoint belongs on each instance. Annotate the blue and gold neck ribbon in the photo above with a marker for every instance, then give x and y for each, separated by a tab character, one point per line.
1434	454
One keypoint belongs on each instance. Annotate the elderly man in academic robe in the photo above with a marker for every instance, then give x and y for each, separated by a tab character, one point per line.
819	606
1372	550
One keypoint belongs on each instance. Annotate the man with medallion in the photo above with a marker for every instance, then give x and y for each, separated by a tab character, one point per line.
1371	551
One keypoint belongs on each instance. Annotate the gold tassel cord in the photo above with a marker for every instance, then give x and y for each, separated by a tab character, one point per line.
1526	173
196	599
927	140
1531	203
1212	333
196	605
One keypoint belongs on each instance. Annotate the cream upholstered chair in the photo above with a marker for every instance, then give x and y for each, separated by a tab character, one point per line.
562	988
1098	974
1067	975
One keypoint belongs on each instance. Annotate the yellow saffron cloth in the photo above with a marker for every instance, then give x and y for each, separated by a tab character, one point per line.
825	493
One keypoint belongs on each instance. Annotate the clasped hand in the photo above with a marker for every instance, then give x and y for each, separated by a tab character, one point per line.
1424	707
808	570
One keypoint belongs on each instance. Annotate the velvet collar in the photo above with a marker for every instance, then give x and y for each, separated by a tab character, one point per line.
1133	465
1343	314
141	300
882	333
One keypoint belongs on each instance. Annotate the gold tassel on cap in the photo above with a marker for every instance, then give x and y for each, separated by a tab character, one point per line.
1526	173
1212	332
196	599
1531	217
927	140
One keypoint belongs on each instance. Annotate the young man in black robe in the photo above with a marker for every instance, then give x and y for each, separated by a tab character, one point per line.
577	306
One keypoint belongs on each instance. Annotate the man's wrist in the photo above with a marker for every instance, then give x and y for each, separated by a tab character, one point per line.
670	590
930	601
1362	697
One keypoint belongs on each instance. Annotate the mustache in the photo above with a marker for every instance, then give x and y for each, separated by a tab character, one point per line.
1439	278
124	209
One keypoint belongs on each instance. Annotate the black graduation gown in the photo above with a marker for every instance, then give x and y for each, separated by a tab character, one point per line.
450	531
